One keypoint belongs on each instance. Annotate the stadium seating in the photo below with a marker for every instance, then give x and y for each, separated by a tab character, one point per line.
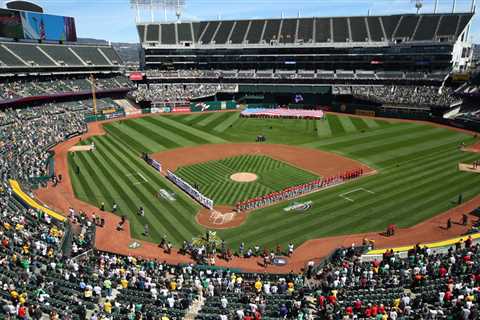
35	55
179	92
407	27
406	95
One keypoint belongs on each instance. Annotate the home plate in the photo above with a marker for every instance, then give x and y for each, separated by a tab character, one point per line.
468	168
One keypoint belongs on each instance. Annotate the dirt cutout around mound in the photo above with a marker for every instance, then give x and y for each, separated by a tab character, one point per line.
244	177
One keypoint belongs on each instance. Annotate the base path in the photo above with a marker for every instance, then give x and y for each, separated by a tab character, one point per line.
319	162
61	197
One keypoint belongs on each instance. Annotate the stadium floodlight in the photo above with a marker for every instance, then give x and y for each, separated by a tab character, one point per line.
418	5
165	5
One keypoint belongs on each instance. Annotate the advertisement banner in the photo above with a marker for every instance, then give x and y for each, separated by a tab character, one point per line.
10	24
181	109
38	26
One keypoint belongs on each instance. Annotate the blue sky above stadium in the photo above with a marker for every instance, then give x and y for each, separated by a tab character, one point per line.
114	20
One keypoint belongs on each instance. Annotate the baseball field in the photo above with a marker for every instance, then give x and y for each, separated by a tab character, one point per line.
417	175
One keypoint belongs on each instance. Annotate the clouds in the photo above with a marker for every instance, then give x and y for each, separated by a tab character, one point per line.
114	20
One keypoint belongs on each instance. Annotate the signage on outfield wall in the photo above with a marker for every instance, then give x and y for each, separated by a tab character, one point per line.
181	109
301	207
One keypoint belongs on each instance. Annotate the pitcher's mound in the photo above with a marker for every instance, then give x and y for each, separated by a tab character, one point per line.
244	177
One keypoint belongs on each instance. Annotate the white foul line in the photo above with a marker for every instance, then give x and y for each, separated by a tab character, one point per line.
343	195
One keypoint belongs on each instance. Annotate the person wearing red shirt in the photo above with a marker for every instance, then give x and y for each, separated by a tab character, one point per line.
349	310
357	305
332	299
442	272
368	312
381	309
22	312
448	296
374	310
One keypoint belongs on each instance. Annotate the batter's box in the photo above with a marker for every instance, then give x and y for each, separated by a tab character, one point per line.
349	195
136	178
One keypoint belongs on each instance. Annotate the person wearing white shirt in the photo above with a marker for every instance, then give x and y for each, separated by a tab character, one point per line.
240	314
171	302
224	302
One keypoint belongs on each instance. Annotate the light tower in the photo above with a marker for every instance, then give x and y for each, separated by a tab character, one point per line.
418	5
152	6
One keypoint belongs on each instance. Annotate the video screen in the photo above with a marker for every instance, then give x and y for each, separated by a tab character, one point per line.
10	24
38	26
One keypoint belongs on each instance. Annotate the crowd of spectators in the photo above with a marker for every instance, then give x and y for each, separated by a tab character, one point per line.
179	92
406	95
425	285
295	74
43	271
35	87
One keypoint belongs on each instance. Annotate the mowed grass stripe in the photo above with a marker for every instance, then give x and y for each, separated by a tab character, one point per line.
409	136
335	125
384	184
186	134
100	191
407	149
374	135
186	130
175	223
126	139
123	197
353	224
76	184
370	122
391	130
87	193
217	121
323	128
229	121
360	124
192	118
148	137
184	203
128	196
347	124
209	118
159	133
384	192
183	208
380	201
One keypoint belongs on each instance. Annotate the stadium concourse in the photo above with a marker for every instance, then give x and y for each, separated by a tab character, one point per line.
61	197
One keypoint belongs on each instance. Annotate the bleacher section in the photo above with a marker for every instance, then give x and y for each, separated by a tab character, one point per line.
408	27
34	56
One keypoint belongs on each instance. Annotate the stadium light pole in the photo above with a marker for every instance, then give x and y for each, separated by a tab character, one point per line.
454	6
152	5
436	7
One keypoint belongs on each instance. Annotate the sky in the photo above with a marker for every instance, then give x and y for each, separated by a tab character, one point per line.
114	20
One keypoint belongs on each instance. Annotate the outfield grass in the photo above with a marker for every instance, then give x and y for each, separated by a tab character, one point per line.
417	164
213	177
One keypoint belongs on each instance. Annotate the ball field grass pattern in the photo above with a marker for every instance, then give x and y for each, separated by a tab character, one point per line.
417	177
213	177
